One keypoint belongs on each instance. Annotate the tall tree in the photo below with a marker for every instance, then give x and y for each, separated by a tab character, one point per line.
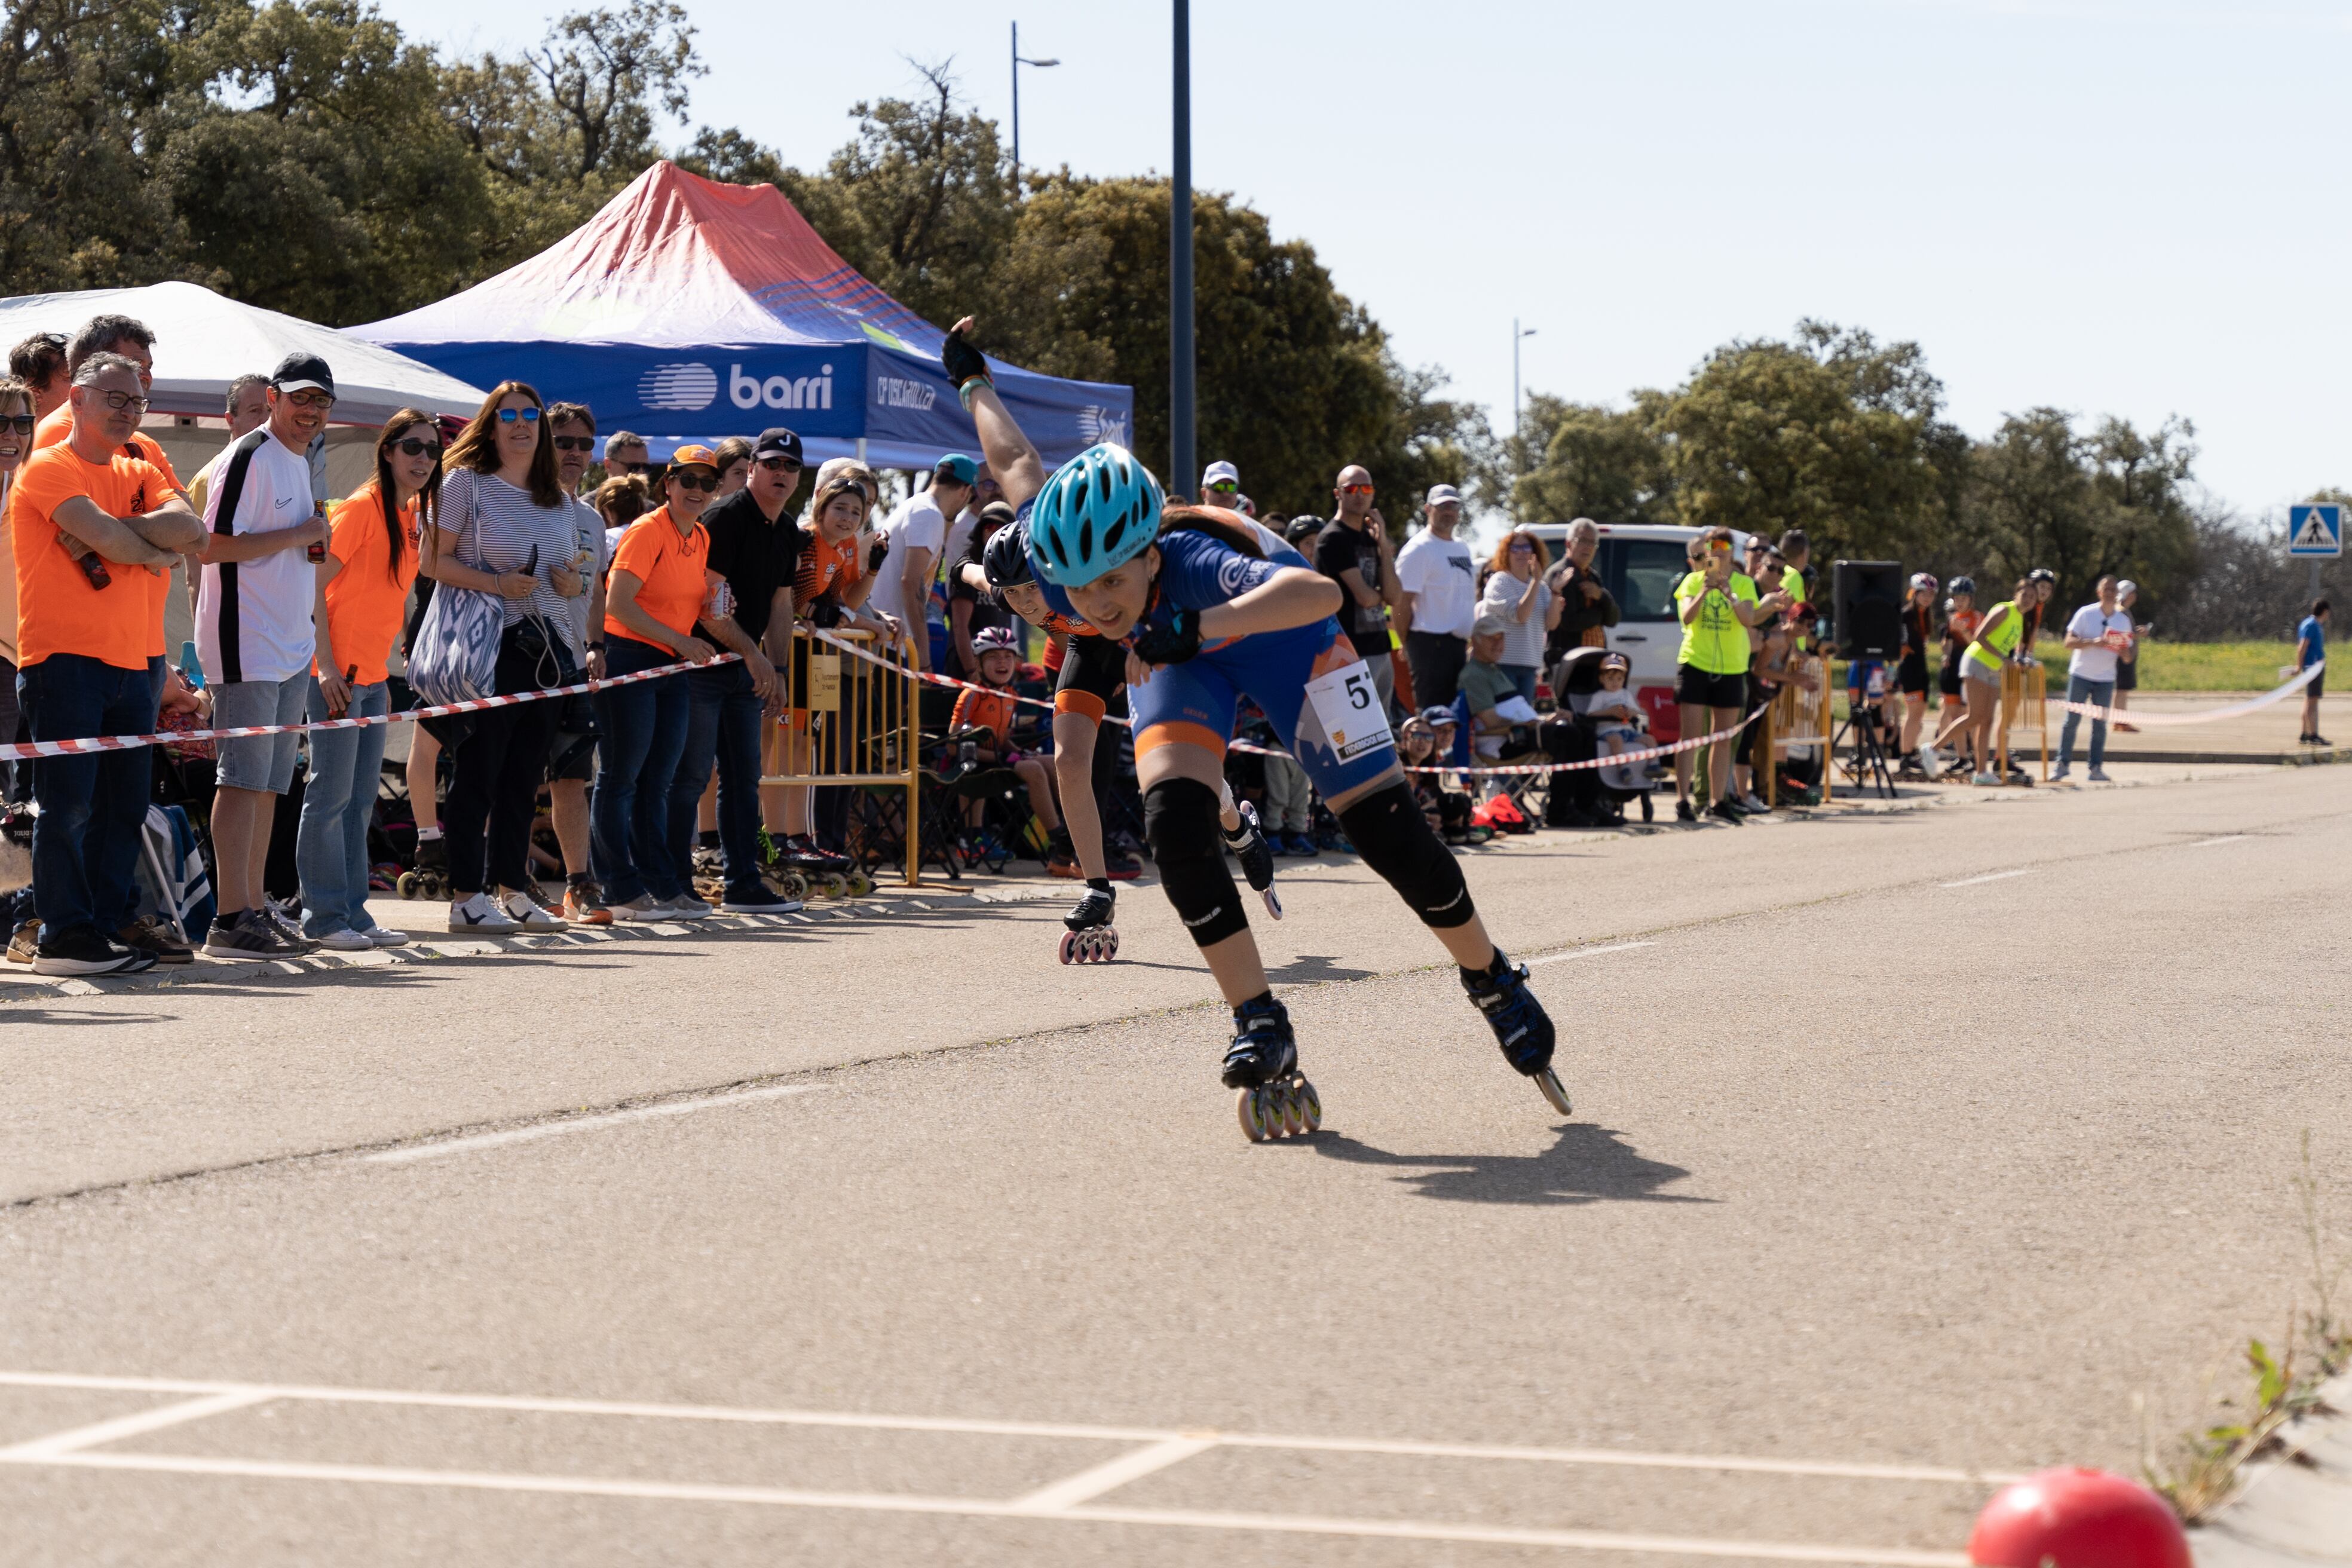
1603	463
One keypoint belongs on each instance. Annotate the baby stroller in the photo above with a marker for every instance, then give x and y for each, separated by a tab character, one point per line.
1602	791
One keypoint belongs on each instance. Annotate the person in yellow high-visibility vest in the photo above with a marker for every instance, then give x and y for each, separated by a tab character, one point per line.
2000	640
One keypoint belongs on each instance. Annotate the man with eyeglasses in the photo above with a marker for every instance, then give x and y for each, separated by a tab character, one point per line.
254	635
1353	552
755	550
571	744
92	526
624	455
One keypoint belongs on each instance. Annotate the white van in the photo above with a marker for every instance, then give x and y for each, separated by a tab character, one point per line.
1640	566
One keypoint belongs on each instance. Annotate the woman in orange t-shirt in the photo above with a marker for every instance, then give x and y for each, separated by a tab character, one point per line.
363	597
653	600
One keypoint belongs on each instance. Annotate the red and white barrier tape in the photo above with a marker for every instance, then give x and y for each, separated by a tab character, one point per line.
247	732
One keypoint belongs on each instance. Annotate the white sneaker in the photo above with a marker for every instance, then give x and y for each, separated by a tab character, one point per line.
1988	779
478	916
1930	763
527	912
686	907
643	910
345	941
384	936
1753	805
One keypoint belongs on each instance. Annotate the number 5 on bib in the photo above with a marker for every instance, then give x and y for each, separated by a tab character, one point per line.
1348	705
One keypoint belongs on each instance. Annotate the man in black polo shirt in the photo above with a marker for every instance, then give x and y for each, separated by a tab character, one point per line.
1353	552
755	550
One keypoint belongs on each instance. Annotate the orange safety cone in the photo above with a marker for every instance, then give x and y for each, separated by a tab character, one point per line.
2077	1519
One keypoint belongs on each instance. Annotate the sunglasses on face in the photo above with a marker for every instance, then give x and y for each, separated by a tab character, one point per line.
574	443
1523	550
1355	489
1226	487
20	423
508	416
780	465
696	481
414	446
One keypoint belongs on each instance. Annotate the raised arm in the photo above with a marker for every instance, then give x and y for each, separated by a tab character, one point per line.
1019	469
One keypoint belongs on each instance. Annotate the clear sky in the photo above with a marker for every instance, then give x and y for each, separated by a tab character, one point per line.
2105	207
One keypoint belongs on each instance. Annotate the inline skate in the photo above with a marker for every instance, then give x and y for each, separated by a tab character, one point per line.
834	876
428	876
1521	1026
1274	1098
1091	938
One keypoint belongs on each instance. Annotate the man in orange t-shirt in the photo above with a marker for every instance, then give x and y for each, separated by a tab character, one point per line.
91	528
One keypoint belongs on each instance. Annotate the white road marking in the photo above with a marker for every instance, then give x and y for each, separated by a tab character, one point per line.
580	1124
1588	952
1621	1457
57	1445
2208	842
983	1507
1089	1484
1989	877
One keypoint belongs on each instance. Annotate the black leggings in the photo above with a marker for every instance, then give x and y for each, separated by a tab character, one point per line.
486	821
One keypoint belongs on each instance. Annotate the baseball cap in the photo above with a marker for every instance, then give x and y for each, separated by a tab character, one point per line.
2126	586
834	468
298	370
1441	494
1220	472
957	466
1615	662
1490	626
694	456
776	442
1436	713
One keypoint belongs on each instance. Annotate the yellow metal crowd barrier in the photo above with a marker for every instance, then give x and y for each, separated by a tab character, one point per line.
1799	718
2024	704
850	721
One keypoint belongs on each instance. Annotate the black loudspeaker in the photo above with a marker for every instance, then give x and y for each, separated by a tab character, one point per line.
1867	598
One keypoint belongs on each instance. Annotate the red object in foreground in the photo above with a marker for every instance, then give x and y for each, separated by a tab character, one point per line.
2078	1519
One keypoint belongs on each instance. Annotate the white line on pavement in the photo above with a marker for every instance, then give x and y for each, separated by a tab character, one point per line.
329	1395
580	1124
1588	953
1989	877
2208	842
983	1507
1089	1484
57	1445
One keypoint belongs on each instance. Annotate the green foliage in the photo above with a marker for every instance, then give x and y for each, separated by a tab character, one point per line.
1595	462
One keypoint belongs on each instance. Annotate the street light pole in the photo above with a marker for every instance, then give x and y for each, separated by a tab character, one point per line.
1518	455
1180	431
1017	63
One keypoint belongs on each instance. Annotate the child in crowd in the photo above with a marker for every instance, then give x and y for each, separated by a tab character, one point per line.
992	712
1619	716
1448	811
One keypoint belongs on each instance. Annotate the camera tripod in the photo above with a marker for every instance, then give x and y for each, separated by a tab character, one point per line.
1865	726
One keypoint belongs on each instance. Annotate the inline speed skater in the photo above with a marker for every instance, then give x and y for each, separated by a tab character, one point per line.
1206	617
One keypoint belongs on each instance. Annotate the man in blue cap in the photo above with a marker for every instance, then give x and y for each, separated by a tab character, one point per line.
917	532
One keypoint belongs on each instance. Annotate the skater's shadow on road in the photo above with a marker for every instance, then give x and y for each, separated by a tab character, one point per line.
1313	968
1588	1165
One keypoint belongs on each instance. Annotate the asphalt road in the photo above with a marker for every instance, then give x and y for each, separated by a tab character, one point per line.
1911	1145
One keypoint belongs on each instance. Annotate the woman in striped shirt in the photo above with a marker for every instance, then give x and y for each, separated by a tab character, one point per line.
505	527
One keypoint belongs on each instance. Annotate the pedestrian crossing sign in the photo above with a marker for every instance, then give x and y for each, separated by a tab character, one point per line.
2314	530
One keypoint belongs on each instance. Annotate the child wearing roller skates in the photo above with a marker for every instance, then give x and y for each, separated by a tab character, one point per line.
1206	617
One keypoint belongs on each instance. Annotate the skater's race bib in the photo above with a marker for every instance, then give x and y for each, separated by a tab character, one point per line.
1348	705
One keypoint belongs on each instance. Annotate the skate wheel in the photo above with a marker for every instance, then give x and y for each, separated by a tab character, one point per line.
1110	944
795	887
1294	1113
834	884
1548	1081
408	884
860	884
1310	1106
1069	947
1272	902
1249	1104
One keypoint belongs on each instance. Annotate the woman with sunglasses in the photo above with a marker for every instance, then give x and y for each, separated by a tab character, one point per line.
504	526
1531	610
1206	619
364	586
653	600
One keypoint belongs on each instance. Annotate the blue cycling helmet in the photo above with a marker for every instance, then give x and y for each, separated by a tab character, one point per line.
1101	509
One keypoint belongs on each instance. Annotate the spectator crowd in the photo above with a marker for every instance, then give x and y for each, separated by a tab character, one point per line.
505	554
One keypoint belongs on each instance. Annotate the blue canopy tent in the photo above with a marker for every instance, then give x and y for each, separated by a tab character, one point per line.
689	310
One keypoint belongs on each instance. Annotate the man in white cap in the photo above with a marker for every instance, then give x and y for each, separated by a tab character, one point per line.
1437	583
1220	484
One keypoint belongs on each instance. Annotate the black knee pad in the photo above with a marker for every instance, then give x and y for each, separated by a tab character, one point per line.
1180	821
1393	838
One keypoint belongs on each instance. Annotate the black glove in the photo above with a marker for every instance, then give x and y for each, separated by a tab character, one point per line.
1171	641
961	361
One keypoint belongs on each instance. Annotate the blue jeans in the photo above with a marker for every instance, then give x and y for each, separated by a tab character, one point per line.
86	840
722	723
642	733
1523	676
330	846
2099	693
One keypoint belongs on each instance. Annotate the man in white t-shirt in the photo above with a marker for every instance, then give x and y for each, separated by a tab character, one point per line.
1439	584
2093	637
918	532
255	637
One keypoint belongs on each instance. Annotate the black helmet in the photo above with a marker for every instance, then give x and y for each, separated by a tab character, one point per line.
1005	558
1963	585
